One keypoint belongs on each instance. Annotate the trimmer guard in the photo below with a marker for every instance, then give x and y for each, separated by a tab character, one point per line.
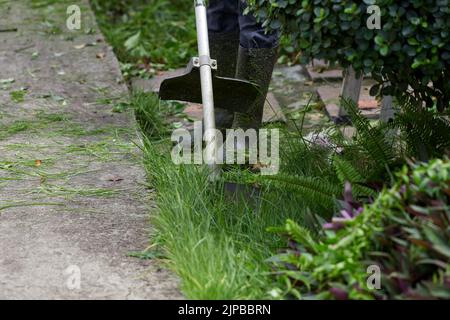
230	94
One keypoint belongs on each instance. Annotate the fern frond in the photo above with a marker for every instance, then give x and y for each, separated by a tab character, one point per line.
423	129
345	171
363	191
314	190
372	139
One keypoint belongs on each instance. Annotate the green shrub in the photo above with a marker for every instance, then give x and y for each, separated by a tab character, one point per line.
405	232
415	241
411	49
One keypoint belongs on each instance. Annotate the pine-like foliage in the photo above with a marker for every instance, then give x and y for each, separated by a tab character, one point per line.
319	174
317	192
372	139
426	132
347	172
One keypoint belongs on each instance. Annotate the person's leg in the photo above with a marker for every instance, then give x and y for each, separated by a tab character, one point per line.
252	34
223	16
257	56
223	25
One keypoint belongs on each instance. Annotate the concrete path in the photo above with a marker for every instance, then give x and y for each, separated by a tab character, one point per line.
73	200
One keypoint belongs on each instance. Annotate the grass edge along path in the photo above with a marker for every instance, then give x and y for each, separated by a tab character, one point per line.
219	248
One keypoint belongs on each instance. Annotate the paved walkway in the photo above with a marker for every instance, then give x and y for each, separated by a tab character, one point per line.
73	200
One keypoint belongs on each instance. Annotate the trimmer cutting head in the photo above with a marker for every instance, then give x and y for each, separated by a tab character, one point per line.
230	94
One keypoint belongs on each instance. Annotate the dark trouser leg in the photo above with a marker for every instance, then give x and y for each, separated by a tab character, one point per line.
223	16
253	34
223	25
256	59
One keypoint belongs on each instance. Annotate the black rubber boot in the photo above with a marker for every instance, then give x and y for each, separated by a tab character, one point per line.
224	48
255	65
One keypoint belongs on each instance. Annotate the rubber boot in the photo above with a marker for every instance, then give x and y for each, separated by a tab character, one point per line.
255	65
224	48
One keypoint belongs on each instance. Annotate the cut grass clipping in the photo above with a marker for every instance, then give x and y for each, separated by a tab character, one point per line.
218	247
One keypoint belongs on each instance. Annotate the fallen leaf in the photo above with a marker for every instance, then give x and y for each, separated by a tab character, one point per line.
100	55
258	166
84	45
115	179
38	163
58	98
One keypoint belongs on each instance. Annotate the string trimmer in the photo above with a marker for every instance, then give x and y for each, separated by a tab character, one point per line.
200	84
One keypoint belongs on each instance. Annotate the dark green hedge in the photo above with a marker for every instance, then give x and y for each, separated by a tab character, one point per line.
412	48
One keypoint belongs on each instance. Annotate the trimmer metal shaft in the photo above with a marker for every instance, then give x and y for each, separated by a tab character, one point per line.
206	66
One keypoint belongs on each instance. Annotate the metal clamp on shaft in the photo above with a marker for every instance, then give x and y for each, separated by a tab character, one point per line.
205	61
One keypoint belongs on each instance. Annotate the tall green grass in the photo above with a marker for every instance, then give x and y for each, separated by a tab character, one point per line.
217	245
